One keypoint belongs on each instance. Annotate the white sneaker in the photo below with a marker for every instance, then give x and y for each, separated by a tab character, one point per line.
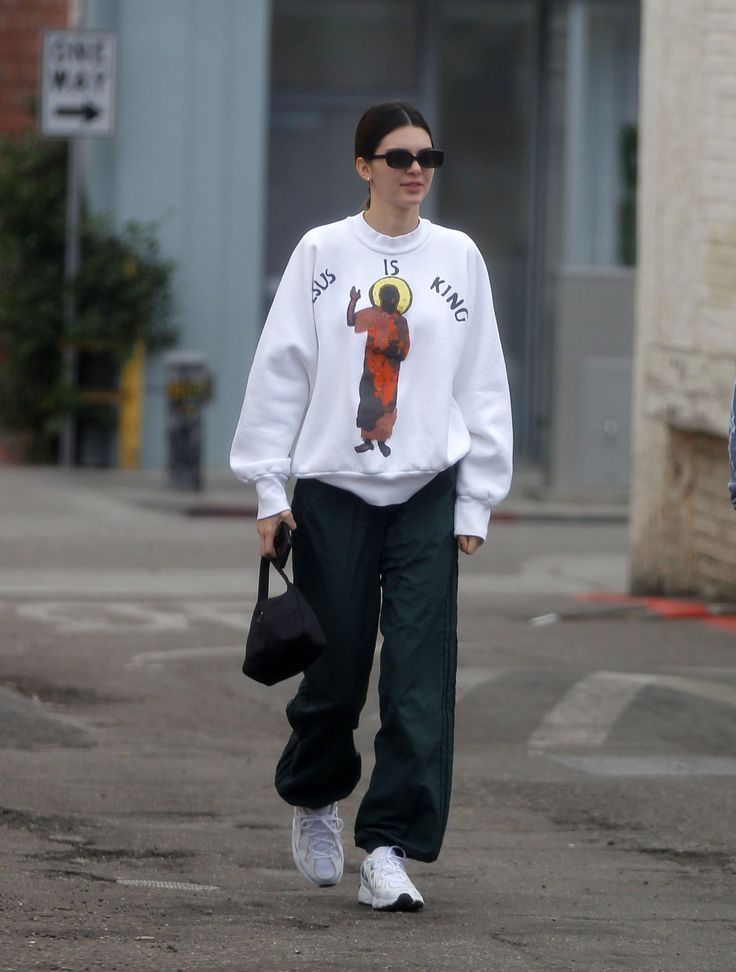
316	844
385	885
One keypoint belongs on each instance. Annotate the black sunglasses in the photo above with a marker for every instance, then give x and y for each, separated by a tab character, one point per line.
402	158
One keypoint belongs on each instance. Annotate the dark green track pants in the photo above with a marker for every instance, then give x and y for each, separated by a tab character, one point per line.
358	564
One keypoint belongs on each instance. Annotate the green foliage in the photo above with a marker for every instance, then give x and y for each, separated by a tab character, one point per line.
122	289
122	292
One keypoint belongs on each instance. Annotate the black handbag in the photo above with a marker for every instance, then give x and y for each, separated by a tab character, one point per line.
285	635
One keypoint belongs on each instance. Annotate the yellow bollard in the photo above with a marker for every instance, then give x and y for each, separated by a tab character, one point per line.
130	413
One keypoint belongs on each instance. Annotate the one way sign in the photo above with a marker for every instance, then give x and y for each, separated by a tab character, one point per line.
78	83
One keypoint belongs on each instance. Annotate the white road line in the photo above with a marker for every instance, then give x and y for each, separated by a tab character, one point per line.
467	679
165	885
714	691
470	678
587	712
124	617
649	765
151	659
127	582
584	716
233	614
77	617
554	574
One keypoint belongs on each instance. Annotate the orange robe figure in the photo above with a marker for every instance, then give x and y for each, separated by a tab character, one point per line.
386	346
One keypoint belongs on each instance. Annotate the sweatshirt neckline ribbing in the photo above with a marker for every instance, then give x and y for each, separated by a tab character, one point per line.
389	244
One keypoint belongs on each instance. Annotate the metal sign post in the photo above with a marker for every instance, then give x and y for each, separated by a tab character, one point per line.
78	71
68	437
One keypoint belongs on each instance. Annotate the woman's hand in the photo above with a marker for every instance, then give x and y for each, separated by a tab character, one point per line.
468	545
267	530
354	298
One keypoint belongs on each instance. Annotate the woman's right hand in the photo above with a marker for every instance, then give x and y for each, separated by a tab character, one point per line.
267	530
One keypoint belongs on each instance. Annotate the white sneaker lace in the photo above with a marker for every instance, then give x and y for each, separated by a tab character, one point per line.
391	868
321	831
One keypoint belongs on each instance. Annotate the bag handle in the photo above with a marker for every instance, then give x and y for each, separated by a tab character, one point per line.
266	564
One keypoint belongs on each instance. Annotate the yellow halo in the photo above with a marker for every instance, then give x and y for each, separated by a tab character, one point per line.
405	295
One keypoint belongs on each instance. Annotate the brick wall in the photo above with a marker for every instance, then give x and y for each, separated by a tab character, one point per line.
21	23
683	527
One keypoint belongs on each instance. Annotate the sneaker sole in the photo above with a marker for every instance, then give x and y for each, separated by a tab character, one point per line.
308	877
404	902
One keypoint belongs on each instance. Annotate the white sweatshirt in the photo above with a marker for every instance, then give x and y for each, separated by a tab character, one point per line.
379	366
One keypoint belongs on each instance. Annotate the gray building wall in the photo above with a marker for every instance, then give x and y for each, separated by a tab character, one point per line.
190	152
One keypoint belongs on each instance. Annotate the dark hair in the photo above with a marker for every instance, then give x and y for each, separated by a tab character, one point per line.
379	121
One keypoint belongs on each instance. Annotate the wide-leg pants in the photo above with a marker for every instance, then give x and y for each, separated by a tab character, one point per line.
360	565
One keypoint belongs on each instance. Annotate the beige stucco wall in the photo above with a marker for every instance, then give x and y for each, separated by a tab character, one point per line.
685	345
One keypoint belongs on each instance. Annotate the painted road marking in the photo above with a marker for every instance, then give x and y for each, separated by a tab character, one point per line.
165	885
467	679
155	659
649	765
559	574
129	583
470	678
587	712
74	617
80	617
233	614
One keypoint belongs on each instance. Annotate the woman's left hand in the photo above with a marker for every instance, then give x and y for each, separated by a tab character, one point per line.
468	545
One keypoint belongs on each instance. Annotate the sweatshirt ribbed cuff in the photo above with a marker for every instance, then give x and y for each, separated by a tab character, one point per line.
471	517
272	498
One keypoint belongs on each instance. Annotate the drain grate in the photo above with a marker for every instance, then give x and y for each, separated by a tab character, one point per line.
165	885
650	765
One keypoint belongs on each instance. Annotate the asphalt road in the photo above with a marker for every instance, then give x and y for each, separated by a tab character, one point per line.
592	826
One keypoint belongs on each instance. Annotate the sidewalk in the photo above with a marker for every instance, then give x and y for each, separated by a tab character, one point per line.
224	495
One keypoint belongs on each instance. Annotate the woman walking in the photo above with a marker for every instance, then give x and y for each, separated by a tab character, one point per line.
377	530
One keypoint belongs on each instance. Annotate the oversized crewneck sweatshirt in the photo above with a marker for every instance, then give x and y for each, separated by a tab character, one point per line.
379	366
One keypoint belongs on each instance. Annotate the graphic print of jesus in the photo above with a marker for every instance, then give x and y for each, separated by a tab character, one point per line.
386	346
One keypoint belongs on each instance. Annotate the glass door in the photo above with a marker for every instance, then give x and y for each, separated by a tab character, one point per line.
330	60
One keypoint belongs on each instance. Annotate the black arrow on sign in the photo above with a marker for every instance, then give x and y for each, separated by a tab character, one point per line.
89	111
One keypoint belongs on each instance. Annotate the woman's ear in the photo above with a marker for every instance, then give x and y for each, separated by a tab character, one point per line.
363	169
